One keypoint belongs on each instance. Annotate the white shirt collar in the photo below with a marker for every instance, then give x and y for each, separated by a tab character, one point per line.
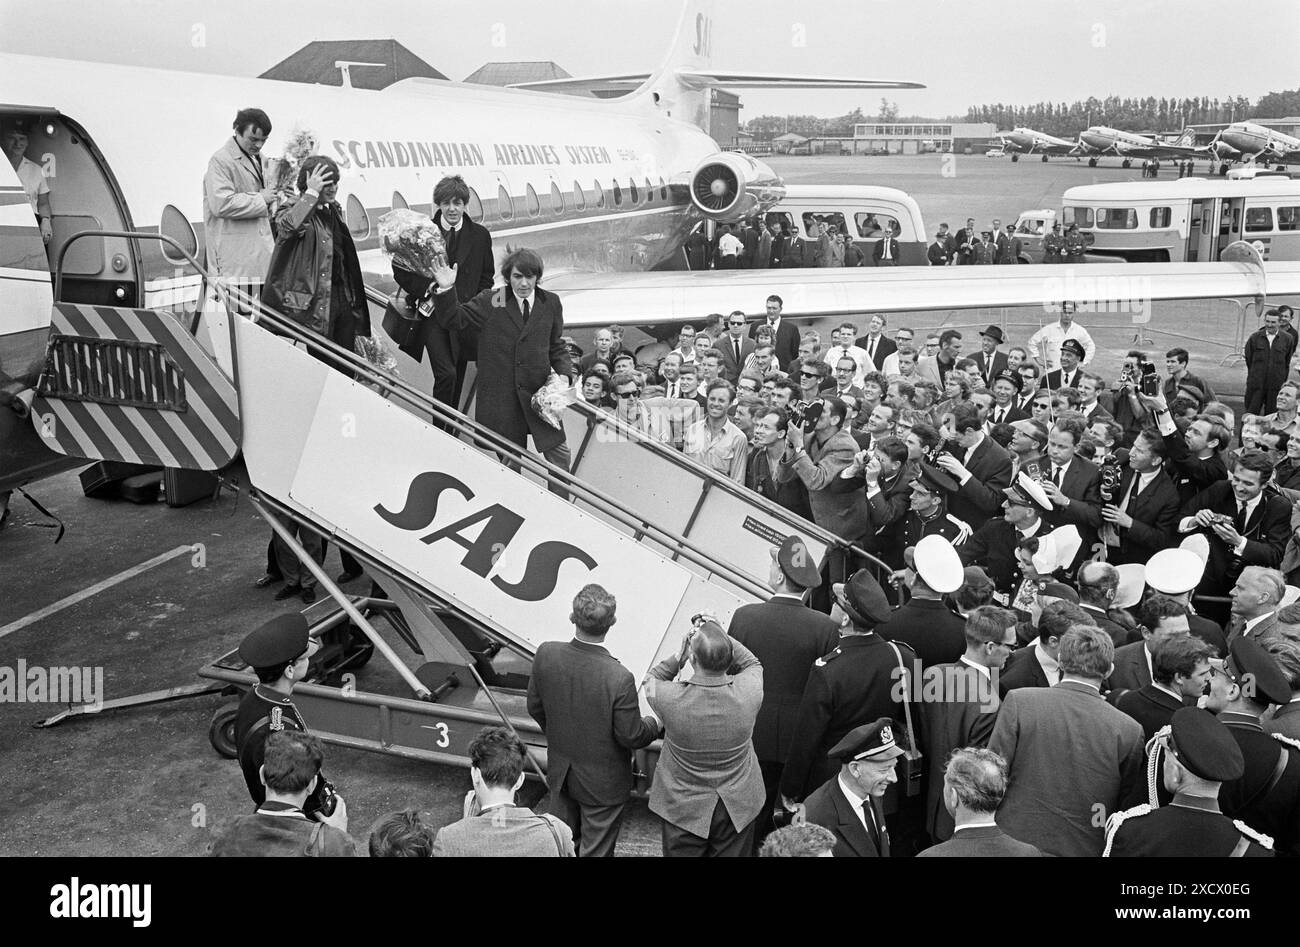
457	227
1251	504
979	667
855	801
1160	687
990	824
1255	621
1049	664
1033	530
531	298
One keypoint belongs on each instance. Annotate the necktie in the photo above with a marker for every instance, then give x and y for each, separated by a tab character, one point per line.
876	826
1056	475
525	307
738	353
888	256
1000	416
871	349
453	241
1239	521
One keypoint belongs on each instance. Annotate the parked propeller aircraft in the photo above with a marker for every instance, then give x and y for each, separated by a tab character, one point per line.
1248	143
1027	141
1101	140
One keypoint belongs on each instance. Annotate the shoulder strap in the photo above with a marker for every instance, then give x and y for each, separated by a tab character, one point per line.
1249	835
555	833
913	751
315	847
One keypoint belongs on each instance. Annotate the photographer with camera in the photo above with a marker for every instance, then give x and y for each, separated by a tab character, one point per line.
1137	379
830	449
290	774
885	474
981	468
1140	501
1194	456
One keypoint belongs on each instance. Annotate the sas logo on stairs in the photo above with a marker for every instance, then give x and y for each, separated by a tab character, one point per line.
540	575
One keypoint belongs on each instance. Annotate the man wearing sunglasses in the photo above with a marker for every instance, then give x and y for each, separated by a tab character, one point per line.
736	347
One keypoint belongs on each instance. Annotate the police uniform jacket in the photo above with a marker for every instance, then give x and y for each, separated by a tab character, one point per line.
1189	827
1264	797
262	712
1285	720
934	633
993	548
787	637
828	807
1060	378
1266	532
981	496
851	686
915	529
961	713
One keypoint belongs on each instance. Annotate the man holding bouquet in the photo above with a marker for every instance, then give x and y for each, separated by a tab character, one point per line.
469	249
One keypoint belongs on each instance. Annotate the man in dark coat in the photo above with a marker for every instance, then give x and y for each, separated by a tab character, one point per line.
1268	358
993	545
850	803
787	637
989	359
1180	671
785	332
585	702
1073	485
981	467
469	248
1141	516
925	623
520	344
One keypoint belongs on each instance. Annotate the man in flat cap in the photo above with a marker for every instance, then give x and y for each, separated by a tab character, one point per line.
787	637
850	687
1006	388
850	803
925	623
993	545
1266	795
990	361
927	512
1199	756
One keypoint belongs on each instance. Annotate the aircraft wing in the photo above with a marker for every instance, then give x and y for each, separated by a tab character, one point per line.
670	297
1163	151
703	78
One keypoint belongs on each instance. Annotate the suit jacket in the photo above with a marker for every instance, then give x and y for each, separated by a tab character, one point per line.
1151	707
990	365
585	702
1014	413
937	254
1131	672
1022	669
1155	519
708	753
982	842
981	496
511	831
961	713
929	369
1118	633
851	686
1058	378
514	359
1082	484
959	241
787	340
787	637
993	548
1266	535
1067	752
828	807
887	507
934	633
727	346
845	514
760	477
1190	474
797	252
885	347
1209	632
878	252
763	254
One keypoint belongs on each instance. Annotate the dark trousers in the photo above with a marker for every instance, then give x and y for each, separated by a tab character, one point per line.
724	840
444	352
595	828
763	825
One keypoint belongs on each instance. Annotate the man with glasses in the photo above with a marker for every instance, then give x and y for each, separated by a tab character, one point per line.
993	545
844	371
735	346
715	441
843	347
965	702
686	344
812	374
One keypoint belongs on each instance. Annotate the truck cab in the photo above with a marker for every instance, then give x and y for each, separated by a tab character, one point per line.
1031	227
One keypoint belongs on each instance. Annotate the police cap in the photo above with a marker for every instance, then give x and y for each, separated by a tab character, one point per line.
796	562
861	597
935	479
938	564
279	641
1027	491
871	741
1202	744
1248	659
1075	346
1008	375
1174	571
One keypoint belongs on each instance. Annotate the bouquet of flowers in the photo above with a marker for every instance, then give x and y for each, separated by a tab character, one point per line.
374	351
551	399
282	172
412	241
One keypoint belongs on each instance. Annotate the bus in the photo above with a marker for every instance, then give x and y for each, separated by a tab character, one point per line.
867	212
1188	219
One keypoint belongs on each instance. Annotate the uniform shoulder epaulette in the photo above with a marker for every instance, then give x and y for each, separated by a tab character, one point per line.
1289	741
963	530
1257	837
1117	819
821	662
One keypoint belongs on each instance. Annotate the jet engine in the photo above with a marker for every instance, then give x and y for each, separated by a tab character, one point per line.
729	186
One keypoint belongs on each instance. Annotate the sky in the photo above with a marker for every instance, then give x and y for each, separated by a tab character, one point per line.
966	52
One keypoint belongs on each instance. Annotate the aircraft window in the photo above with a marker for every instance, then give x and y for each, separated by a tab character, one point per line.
600	194
357	218
618	195
175	225
505	207
1160	217
534	204
557	200
475	207
649	190
399	202
1077	215
1259	219
636	193
663	190
1117	218
579	198
1288	218
874	225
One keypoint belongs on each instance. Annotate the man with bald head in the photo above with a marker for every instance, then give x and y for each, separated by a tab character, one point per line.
1097	584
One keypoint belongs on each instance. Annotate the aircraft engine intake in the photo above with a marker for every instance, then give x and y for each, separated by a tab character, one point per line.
730	185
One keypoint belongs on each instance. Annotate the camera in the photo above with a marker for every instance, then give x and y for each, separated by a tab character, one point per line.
805	413
1145	378
324	798
1112	471
1034	471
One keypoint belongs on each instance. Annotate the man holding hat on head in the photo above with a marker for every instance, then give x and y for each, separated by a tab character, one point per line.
991	362
934	633
279	653
852	685
979	465
1267	793
993	546
850	803
1199	756
927	512
787	637
1006	388
1175	573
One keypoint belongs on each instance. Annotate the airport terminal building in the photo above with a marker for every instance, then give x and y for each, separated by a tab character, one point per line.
910	138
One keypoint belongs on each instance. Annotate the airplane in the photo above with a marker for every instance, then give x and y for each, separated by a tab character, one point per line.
1248	142
1101	140
1026	141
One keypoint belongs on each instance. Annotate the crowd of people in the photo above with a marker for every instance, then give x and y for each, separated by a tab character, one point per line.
1057	597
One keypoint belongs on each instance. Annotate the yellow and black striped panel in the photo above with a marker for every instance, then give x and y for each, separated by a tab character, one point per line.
100	402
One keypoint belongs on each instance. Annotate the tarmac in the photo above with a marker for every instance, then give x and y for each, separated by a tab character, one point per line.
149	594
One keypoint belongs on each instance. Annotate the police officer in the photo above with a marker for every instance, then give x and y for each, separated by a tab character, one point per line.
850	803
1199	756
278	652
927	514
1074	245
1053	244
1267	794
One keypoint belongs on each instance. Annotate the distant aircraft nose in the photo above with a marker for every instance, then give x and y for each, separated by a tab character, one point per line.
1244	140
1095	139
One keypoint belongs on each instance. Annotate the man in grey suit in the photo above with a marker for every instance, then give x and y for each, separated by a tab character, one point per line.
493	826
974	785
1072	757
708	788
585	702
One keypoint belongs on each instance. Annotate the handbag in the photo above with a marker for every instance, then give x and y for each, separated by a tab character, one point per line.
913	762
404	324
